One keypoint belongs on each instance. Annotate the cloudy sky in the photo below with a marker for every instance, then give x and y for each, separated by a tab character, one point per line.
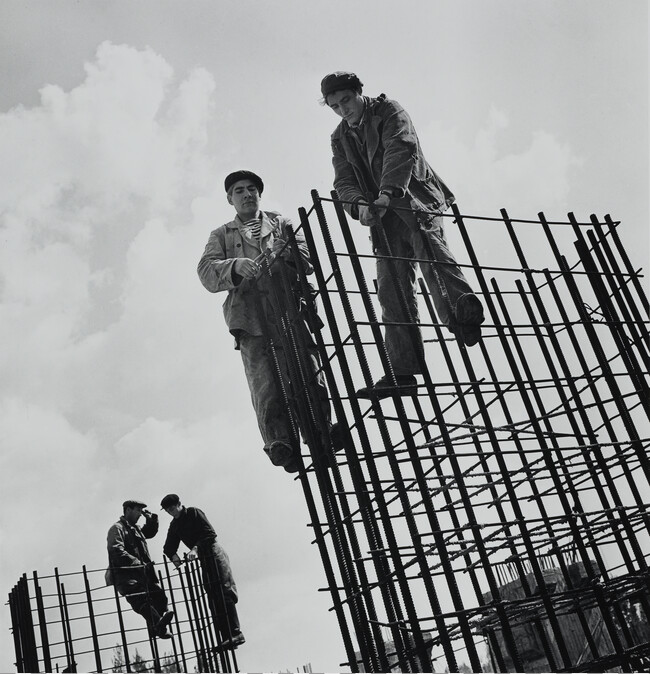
118	123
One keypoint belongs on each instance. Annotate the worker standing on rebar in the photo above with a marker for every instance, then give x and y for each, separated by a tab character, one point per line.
238	258
131	569
191	527
376	152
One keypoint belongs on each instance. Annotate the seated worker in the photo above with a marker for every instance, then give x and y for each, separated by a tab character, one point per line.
131	570
233	261
191	527
376	151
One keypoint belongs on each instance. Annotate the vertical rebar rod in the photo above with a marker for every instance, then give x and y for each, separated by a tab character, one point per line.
42	624
91	618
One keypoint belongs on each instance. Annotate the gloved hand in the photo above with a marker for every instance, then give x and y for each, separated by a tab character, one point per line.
176	561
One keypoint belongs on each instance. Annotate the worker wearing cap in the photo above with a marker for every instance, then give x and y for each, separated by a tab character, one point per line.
191	527
131	569
376	151
234	261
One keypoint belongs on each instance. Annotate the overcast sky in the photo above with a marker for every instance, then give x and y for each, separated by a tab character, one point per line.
118	123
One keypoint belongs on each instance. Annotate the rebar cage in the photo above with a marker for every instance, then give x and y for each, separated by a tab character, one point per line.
498	517
495	519
74	622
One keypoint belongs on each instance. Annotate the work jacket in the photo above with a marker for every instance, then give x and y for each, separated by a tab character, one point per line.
388	158
128	553
216	269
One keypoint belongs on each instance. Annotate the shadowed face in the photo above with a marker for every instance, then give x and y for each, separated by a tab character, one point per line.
347	104
174	510
132	515
245	197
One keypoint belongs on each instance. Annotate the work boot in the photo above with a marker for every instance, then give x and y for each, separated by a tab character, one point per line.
339	436
383	388
280	453
160	629
231	643
293	465
468	319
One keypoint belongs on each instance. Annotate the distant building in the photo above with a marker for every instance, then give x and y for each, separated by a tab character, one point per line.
526	629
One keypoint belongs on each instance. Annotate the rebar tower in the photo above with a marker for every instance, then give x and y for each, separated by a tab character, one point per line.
495	519
498	517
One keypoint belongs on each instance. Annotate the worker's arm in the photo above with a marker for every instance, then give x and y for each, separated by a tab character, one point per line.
215	269
170	548
345	180
400	143
151	525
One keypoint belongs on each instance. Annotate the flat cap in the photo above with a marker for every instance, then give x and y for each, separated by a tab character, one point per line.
338	81
232	178
132	503
169	500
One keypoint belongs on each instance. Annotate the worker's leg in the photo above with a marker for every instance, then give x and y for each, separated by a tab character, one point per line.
221	588
268	401
446	281
402	342
140	597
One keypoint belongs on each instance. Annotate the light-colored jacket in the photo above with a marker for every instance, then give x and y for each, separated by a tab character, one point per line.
392	159
216	267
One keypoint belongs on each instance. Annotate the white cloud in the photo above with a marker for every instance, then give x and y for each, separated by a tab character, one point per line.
485	178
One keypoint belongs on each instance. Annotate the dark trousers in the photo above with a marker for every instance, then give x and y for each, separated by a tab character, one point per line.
220	587
146	598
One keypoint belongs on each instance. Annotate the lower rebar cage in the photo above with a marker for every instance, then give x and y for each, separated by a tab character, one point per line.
74	622
494	519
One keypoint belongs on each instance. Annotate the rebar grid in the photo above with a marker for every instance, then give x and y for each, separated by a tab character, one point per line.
499	516
74	622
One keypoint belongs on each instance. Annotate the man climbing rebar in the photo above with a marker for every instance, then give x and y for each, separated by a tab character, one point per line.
131	569
238	258
376	152
191	527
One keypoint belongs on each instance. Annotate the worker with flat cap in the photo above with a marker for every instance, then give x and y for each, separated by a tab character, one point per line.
238	259
376	151
191	527
131	570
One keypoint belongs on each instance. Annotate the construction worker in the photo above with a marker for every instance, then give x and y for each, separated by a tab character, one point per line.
376	151
238	258
191	527
131	569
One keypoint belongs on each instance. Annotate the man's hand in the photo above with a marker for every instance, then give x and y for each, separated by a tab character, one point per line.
381	204
279	248
368	214
192	555
246	267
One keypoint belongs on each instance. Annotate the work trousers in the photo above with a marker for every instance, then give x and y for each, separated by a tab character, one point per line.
446	284
273	415
220	587
146	597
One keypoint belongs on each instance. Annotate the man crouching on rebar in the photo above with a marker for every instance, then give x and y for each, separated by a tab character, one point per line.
238	258
376	152
131	569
